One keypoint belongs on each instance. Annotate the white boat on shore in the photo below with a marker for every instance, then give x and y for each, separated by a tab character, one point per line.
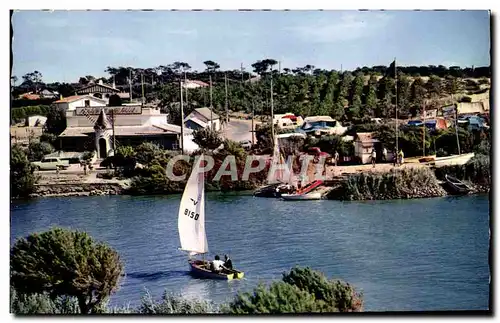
302	197
453	160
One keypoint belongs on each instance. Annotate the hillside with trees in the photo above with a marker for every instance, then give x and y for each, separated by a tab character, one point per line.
366	91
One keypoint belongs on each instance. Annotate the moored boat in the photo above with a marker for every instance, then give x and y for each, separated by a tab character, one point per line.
302	197
456	186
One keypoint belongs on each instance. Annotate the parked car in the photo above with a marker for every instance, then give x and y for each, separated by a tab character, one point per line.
247	144
51	163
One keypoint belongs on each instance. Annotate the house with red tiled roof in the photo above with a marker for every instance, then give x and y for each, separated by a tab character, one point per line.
29	96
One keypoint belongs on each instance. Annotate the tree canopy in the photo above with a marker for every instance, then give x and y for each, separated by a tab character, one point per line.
66	263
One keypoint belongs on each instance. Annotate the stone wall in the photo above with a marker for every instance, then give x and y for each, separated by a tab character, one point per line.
81	189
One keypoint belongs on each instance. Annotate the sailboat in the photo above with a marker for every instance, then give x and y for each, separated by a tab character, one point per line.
191	225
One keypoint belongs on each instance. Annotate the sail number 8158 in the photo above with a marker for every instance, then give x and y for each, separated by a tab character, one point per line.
191	214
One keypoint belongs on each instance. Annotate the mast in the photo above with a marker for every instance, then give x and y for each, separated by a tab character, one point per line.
423	140
130	83
253	109
227	106
396	86
142	86
186	88
113	126
456	124
211	108
272	108
182	118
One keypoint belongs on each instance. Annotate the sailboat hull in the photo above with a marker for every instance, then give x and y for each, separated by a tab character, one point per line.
199	269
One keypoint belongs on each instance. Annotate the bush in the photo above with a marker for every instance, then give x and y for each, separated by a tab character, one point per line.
22	178
302	290
336	295
48	137
207	138
397	184
36	150
67	264
26	304
146	152
279	298
172	304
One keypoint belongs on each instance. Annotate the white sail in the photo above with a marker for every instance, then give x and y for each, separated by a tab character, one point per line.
192	214
281	175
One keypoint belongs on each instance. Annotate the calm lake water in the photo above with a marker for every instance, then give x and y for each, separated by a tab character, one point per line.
413	255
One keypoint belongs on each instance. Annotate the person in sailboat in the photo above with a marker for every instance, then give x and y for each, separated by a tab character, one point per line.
228	263
217	264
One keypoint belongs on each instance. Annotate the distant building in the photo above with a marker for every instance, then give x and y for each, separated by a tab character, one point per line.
47	94
194	84
102	91
202	118
29	96
91	128
71	102
364	143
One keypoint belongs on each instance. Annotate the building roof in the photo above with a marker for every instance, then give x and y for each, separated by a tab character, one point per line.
365	136
318	118
197	121
107	87
102	121
74	98
470	107
121	131
30	96
205	114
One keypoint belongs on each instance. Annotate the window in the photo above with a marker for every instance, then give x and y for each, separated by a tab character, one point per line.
87	103
175	146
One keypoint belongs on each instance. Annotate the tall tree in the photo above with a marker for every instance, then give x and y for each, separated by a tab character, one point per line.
22	178
66	263
356	95
211	66
417	95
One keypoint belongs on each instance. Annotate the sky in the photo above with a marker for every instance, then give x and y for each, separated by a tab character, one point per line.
64	45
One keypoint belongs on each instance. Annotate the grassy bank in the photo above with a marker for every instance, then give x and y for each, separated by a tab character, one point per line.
404	183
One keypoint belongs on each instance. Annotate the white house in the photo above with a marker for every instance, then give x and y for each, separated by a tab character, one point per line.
98	127
202	118
363	146
72	102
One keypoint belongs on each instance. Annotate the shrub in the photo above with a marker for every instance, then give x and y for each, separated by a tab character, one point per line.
398	183
26	304
337	295
172	304
36	150
48	137
67	264
22	178
146	152
207	138
279	298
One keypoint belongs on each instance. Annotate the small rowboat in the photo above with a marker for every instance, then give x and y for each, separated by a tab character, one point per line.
456	186
201	269
301	197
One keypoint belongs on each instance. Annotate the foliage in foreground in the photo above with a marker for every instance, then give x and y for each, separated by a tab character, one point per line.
66	263
302	290
399	183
